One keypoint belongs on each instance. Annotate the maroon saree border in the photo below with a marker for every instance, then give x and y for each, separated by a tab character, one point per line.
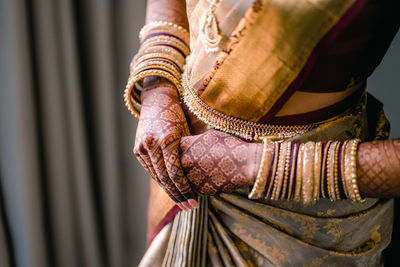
321	114
331	35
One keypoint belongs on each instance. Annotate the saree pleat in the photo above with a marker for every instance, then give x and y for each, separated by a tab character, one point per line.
231	250
187	242
213	252
218	246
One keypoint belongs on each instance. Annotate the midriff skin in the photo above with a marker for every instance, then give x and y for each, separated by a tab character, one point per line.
298	103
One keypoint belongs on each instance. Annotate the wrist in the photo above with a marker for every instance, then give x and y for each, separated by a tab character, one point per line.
155	85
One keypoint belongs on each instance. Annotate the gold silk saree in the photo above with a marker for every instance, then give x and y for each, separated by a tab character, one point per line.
265	50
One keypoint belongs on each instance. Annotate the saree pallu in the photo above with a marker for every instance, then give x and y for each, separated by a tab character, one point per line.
231	230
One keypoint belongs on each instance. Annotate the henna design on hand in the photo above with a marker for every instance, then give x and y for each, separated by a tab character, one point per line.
378	168
162	124
216	162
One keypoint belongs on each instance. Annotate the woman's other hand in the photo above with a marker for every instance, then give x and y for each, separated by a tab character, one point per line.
217	162
162	124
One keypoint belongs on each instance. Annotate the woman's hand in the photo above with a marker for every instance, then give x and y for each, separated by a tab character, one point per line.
217	162
161	126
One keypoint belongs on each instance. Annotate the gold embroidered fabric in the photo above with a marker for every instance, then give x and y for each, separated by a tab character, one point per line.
265	52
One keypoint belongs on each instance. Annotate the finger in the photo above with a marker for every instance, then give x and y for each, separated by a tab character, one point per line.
175	171
157	161
187	141
186	205
143	159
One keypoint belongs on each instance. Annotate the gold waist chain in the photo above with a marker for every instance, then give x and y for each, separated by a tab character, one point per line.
245	129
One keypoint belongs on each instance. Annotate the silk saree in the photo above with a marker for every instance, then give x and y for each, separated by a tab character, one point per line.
267	50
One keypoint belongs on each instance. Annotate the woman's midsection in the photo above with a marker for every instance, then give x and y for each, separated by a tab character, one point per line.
298	103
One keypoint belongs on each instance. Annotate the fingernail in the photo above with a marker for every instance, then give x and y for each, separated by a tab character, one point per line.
186	205
193	203
179	205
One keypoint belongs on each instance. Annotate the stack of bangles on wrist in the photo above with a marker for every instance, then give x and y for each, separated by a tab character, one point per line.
164	47
304	172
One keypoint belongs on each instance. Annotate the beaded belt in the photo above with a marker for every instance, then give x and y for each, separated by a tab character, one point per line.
241	128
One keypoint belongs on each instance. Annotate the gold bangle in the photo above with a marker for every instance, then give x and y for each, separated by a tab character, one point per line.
177	61
342	172
166	40
299	174
330	171
323	169
317	170
286	173
280	172
159	62
130	102
261	179
273	171
153	72
172	71
335	172
163	51
293	171
351	170
164	27
308	172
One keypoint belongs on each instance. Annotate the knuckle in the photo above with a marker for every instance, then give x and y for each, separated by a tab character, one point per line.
139	149
149	141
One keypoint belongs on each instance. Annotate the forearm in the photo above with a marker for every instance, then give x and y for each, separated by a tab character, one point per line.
164	10
167	10
378	168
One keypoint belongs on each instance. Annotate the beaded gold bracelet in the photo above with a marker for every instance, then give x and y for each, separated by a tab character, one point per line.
166	40
159	67
323	169
335	172
160	52
167	27
173	69
130	102
331	170
286	173
351	170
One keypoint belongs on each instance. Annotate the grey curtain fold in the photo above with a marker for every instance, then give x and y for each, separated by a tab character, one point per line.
71	191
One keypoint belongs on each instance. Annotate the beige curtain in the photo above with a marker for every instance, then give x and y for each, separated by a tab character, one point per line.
71	191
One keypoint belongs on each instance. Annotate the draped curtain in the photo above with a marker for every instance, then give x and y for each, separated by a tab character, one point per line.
71	191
